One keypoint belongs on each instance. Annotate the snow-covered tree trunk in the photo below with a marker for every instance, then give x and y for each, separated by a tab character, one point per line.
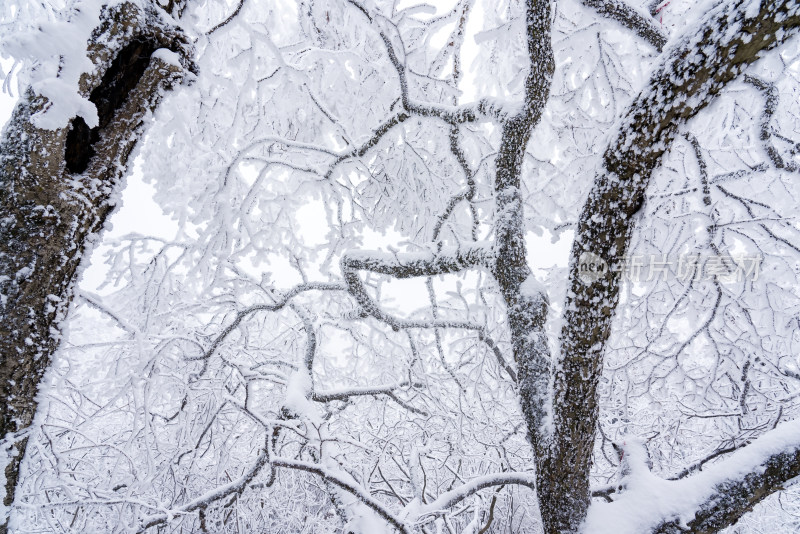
561	427
691	74
56	190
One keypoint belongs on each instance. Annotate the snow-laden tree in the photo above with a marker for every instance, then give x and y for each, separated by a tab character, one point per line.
352	328
94	74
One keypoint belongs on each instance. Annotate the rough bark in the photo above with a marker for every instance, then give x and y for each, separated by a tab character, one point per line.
527	308
55	194
635	20
692	72
734	498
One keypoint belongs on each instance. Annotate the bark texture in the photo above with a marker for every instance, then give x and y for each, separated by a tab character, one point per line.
55	194
635	20
692	72
734	498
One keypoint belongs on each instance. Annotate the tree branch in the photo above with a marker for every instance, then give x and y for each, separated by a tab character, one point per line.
405	265
279	304
448	260
342	482
770	94
409	265
346	393
450	498
221	492
382	130
227	20
449	114
698	466
628	16
710	500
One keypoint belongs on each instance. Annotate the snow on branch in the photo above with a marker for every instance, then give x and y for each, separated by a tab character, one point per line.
414	264
377	135
409	265
485	108
697	67
632	18
466	195
346	393
227	20
279	304
454	115
344	481
770	93
694	70
451	498
338	478
448	260
708	501
237	486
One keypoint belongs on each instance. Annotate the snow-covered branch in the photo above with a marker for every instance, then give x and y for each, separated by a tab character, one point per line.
453	115
345	482
456	495
770	94
707	501
636	20
346	393
448	260
408	265
237	486
282	301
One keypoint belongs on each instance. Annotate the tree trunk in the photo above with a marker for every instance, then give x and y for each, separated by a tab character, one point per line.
55	193
691	74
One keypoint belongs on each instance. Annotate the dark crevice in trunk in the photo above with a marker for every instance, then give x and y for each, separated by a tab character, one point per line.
119	80
44	229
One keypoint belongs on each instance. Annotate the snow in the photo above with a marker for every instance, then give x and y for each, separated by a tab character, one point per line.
752	9
532	287
367	521
648	500
167	56
298	392
58	49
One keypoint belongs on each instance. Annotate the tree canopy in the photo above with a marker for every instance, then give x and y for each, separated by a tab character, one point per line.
356	318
